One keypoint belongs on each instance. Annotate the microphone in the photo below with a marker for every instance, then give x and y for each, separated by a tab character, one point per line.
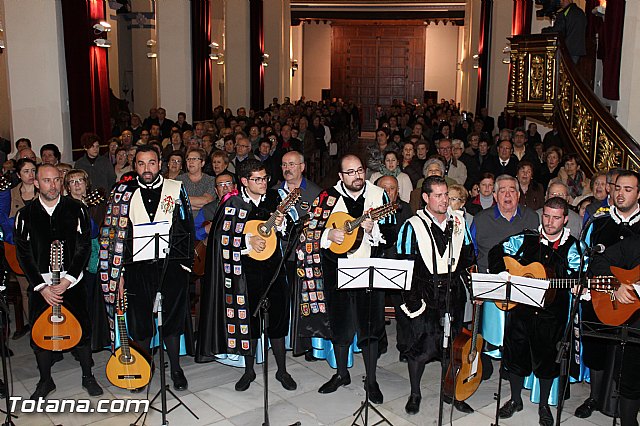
303	219
449	229
597	249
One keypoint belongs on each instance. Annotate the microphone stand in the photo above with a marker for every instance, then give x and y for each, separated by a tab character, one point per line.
564	346
4	320
447	324
262	313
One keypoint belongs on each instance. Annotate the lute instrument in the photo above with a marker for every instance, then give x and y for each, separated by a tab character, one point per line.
56	329
130	366
266	229
351	226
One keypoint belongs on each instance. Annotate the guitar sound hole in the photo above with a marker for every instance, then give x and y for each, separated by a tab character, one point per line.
56	319
264	231
126	360
347	228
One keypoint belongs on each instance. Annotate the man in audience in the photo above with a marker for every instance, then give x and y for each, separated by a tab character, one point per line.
505	163
99	168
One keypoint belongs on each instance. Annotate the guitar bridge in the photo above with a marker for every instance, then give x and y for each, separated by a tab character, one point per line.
614	302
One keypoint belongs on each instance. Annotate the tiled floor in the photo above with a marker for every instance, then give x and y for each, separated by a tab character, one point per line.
212	397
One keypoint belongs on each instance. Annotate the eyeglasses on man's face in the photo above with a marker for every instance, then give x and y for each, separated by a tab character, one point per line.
352	172
259	179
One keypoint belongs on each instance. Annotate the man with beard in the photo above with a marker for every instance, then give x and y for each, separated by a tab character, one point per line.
344	312
532	334
238	281
51	217
425	239
612	229
148	201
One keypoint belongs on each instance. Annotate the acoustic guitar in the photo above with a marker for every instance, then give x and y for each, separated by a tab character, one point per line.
10	253
266	228
93	198
56	329
537	270
130	366
351	226
465	370
607	308
200	255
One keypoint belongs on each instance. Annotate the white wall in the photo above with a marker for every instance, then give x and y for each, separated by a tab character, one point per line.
296	53
441	58
238	86
37	73
277	24
217	35
499	75
174	57
470	37
316	74
629	103
5	106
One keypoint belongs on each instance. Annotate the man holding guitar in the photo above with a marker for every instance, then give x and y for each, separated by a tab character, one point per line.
617	230
238	280
344	311
47	219
532	334
425	239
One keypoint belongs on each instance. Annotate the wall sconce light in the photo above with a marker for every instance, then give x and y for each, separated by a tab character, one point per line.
152	55
102	42
265	59
151	44
294	67
215	54
2	47
475	62
102	27
507	52
601	9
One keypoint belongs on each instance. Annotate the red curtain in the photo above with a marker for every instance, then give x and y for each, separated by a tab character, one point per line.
521	18
484	49
256	48
201	64
611	42
87	71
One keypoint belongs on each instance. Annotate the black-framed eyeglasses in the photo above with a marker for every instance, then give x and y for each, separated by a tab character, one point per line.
260	179
351	172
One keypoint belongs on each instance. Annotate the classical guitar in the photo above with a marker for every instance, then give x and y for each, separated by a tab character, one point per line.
607	308
537	270
351	226
11	255
465	370
93	198
200	254
56	329
266	228
130	366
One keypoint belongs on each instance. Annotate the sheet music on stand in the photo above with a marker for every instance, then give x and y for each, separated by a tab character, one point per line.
388	274
144	245
529	291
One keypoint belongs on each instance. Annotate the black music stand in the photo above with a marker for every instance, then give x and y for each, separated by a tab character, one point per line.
503	289
262	312
160	245
371	274
621	334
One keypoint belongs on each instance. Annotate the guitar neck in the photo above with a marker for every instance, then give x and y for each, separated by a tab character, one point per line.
476	326
55	280
374	214
124	339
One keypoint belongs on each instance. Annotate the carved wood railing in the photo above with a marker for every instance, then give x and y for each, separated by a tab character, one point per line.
544	84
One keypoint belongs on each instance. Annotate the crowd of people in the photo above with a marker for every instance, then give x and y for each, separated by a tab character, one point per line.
462	188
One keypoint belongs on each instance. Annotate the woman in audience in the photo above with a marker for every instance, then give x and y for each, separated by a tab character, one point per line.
409	166
551	167
200	186
21	195
532	135
175	167
114	144
571	174
122	166
391	167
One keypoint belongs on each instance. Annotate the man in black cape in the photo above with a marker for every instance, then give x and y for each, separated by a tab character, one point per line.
235	282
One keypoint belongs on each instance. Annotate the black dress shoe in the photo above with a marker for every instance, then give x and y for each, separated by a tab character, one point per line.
545	418
463	407
179	380
334	383
90	384
19	333
43	389
287	381
403	358
509	409
308	356
3	389
587	408
413	404
375	395
244	382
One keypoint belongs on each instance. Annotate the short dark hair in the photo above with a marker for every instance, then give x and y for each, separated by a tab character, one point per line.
227	173
248	166
572	156
628	173
51	147
23	162
88	139
146	148
27	140
525	163
558	203
430	182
